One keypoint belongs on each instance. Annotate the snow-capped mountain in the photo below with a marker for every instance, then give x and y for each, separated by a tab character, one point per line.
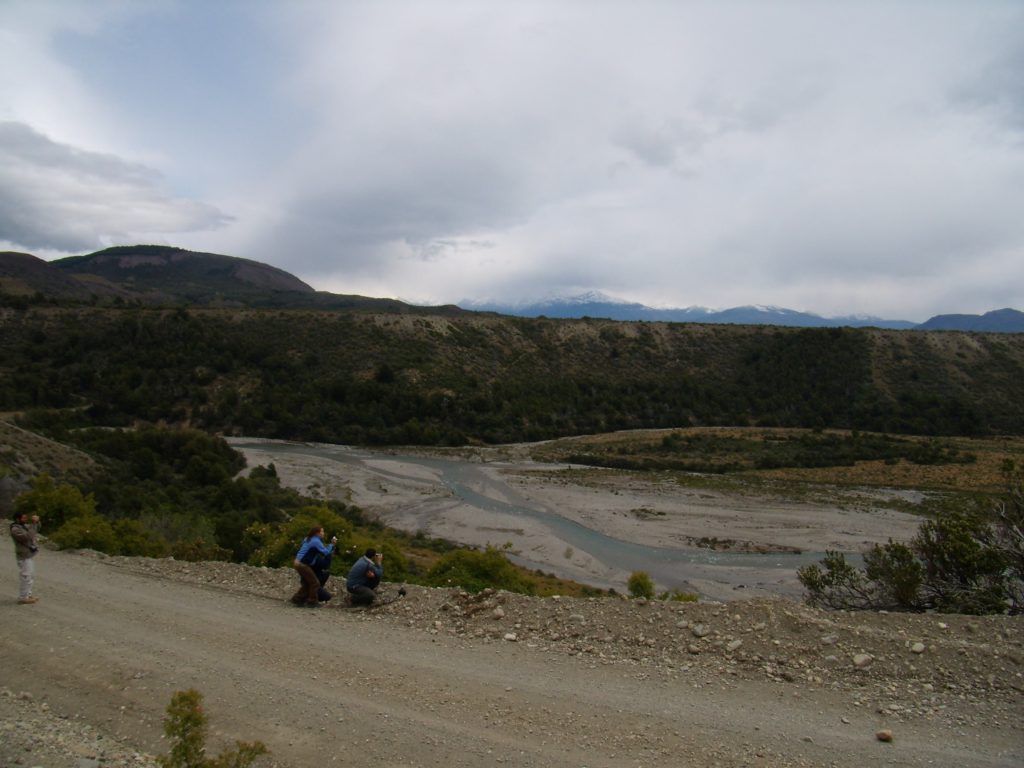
599	305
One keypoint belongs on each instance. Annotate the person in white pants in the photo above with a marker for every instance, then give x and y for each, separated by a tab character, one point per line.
25	547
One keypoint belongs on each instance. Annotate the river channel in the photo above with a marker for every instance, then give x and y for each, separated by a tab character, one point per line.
408	495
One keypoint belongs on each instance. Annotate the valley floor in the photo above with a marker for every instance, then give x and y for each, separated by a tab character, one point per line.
594	526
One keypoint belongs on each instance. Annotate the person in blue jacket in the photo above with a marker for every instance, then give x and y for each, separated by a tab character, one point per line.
321	565
312	545
364	577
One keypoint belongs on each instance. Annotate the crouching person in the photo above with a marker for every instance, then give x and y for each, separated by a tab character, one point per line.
364	578
321	565
312	546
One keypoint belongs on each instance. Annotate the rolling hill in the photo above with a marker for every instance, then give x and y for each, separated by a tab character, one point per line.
157	275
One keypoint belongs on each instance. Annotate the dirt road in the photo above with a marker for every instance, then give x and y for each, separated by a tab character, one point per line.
108	645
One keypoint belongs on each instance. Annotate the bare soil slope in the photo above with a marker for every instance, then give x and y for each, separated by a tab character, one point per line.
447	679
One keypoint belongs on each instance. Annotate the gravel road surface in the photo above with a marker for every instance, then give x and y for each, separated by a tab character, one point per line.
446	679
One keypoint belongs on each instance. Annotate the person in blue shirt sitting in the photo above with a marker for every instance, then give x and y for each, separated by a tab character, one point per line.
312	546
364	578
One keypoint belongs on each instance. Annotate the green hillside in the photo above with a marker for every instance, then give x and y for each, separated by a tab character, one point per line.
431	379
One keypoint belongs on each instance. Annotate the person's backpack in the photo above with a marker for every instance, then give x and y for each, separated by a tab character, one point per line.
316	560
312	558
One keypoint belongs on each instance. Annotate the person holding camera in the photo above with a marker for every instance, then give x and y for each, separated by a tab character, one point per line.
313	545
364	578
25	547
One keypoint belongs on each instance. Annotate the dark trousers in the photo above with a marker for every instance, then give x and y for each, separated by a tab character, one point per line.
307	594
362	595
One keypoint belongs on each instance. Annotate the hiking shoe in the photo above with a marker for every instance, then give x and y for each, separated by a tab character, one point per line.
27	600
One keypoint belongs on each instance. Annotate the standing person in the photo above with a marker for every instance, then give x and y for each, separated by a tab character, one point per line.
310	586
364	577
25	547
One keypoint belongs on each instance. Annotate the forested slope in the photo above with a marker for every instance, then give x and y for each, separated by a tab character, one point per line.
353	377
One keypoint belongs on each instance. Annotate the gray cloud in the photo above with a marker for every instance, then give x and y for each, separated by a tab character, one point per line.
56	197
997	88
842	157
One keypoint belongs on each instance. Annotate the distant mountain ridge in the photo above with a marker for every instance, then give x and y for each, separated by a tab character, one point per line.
597	305
166	275
998	320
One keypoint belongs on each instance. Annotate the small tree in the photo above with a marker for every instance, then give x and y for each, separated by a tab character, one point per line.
640	585
185	726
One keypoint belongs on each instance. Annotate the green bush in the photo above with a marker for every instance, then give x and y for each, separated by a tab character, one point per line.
640	585
76	524
834	583
186	728
54	503
198	551
957	563
275	544
136	540
87	531
475	571
964	573
898	574
678	596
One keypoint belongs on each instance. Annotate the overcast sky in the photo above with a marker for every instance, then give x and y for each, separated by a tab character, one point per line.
833	157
